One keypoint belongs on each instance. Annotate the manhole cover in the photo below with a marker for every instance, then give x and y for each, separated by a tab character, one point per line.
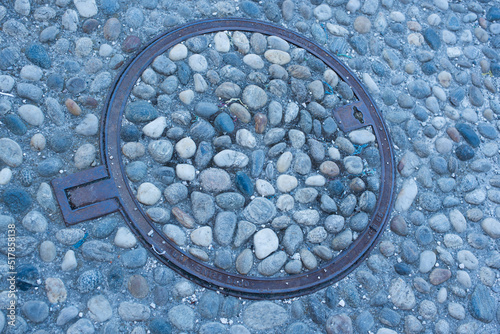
237	189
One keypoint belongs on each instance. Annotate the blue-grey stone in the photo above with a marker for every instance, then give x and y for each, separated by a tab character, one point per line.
205	109
60	141
409	251
224	123
203	155
27	277
432	38
257	162
298	328
318	33
379	68
493	14
388	97
424	235
55	82
250	8
29	91
201	130
165	175
453	23
15	124
476	96
380	298
396	27
230	307
487	130
232	59
75	85
104	228
317	311
8	57
212	328
364	322
38	56
140	111
129	133
351	296
482	304
197	44
359	44
223	258
244	184
468	133
389	317
402	269
464	152
209	304
135	258
419	89
50	167
183	73
136	170
456	96
35	310
17	200
439	165
393	42
429	68
72	66
160	326
109	7
89	280
230	201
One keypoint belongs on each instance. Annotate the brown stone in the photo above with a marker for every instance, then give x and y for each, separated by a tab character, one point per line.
73	108
90	25
439	276
329	168
131	44
260	122
453	134
182	217
138	286
112	29
399	226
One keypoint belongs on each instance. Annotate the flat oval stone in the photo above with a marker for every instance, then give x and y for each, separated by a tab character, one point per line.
260	211
272	264
215	180
140	111
230	158
244	183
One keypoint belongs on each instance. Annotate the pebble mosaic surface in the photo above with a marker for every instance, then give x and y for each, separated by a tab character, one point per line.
239	180
432	67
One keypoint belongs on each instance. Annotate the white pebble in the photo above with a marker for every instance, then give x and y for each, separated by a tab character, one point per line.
265	242
245	138
315	181
185	172
69	261
154	129
5	176
286	183
178	52
31	114
186	96
185	148
284	162
221	42
264	188
148	194
124	238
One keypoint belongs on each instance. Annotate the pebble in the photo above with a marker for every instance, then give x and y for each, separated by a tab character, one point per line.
129	311
482	304
124	238
402	295
148	194
264	315
99	308
36	311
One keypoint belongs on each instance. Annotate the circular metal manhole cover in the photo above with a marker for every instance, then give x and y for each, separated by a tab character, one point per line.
105	189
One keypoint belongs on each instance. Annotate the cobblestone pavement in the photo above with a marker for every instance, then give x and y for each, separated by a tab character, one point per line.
231	148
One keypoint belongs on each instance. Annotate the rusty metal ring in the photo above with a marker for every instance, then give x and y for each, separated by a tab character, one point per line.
102	190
